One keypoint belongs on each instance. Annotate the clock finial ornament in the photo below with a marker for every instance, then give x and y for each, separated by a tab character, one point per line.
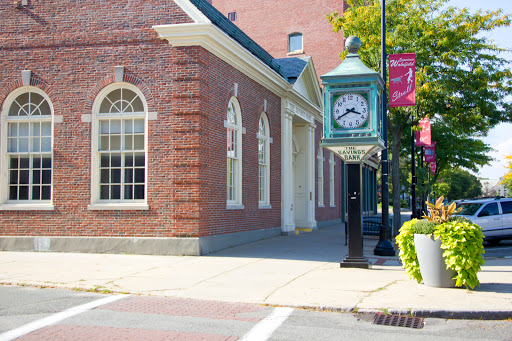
352	44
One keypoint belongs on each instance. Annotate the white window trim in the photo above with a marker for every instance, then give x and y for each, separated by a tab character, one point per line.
25	205
320	166
264	204
96	202
237	202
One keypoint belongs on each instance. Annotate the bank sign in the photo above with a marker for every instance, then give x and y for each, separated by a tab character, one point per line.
402	77
354	154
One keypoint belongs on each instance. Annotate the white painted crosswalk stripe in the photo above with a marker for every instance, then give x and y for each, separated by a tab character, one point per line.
52	319
266	327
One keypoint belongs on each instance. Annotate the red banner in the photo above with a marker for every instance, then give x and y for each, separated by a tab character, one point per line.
430	153
433	167
423	134
402	75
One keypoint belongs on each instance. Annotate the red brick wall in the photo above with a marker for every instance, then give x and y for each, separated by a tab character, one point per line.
251	97
270	22
71	49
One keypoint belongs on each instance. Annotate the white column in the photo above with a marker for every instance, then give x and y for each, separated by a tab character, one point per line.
287	196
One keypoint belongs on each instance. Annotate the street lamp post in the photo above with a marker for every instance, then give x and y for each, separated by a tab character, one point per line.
384	246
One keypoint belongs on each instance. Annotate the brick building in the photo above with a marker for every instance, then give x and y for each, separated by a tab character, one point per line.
290	28
153	127
300	29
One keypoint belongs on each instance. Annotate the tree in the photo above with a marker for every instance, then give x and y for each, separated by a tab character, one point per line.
507	179
458	184
460	78
488	190
453	149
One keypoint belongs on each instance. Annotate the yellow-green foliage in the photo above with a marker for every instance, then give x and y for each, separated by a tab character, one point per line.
405	241
463	245
507	179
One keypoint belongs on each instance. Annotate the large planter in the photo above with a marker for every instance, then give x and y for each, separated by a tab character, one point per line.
432	263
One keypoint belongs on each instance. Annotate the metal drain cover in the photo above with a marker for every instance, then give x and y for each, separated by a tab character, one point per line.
398	321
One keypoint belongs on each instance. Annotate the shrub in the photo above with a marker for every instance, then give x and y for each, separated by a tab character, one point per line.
424	227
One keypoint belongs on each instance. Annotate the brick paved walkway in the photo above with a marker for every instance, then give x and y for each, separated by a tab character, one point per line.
164	318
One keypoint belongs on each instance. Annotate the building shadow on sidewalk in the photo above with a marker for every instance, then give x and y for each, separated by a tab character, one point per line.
324	245
503	288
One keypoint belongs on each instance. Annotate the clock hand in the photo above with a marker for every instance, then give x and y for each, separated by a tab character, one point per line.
353	110
348	111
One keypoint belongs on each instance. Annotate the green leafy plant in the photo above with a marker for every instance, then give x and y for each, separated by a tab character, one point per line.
425	227
438	212
463	245
460	238
407	254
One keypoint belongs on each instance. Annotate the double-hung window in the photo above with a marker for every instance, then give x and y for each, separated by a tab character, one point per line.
119	149
320	160
264	162
233	125
27	149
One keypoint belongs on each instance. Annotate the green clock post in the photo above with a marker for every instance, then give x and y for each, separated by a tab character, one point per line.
353	130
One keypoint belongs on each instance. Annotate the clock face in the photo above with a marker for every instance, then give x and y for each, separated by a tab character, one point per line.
350	111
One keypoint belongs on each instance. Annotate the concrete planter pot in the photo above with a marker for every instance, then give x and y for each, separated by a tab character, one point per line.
432	263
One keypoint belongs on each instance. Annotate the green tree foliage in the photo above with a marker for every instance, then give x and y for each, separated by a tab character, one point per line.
507	179
453	149
461	81
456	183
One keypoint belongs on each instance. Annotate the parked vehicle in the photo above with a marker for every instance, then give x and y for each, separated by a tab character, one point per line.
493	215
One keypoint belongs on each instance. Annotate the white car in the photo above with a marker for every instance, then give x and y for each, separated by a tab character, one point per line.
493	215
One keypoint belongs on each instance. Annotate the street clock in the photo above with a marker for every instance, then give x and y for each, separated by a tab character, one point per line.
352	108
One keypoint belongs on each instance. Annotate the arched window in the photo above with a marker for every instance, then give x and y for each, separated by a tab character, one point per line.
119	146
320	158
233	126
264	161
27	147
295	42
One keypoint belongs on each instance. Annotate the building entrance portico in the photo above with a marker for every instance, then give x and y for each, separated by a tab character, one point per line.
298	171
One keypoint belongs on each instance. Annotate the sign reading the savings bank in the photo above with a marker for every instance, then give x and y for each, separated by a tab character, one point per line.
353	154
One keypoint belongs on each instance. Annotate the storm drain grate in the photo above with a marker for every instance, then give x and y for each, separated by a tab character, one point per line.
398	321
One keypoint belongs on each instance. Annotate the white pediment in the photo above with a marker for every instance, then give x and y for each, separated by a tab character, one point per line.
307	85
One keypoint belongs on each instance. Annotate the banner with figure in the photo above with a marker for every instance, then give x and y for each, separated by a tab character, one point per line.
402	77
423	137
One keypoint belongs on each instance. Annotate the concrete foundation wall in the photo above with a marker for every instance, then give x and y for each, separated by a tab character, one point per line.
134	245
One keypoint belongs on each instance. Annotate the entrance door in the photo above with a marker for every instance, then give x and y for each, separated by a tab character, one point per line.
300	177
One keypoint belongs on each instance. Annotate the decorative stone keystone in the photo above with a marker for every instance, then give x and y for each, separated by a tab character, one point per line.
119	73
25	76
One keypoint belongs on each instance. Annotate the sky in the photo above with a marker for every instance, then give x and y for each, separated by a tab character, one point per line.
499	138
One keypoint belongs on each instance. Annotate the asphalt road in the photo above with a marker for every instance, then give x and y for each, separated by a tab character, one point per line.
163	318
503	249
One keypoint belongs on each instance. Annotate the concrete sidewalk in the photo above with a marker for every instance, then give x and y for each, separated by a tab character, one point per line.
298	271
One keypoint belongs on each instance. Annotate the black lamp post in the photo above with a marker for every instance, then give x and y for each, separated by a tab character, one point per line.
384	246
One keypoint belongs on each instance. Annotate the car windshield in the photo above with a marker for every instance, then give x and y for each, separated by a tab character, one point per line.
468	208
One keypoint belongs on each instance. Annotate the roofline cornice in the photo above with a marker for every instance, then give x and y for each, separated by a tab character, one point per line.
211	38
214	40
